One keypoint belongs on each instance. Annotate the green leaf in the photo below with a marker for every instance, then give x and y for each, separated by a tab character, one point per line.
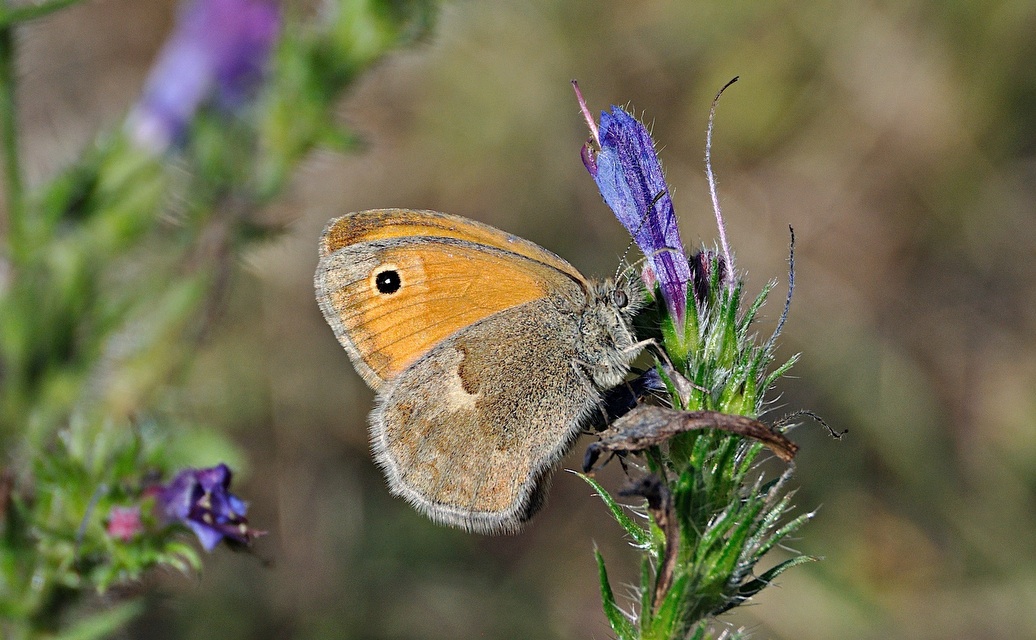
779	371
617	618
766	524
181	556
105	623
647	589
676	345
753	587
783	532
772	573
750	314
732	551
665	622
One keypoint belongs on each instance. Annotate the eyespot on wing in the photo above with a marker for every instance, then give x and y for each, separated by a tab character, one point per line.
391	300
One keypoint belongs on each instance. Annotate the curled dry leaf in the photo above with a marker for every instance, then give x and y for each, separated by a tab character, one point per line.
660	506
649	426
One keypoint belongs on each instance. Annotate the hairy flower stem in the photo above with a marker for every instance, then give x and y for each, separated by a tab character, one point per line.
9	141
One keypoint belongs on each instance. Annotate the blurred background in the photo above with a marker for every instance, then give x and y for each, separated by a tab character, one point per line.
897	138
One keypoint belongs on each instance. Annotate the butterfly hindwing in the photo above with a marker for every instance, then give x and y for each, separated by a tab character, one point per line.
469	433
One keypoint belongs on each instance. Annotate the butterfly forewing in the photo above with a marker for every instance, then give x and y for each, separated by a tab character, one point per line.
391	289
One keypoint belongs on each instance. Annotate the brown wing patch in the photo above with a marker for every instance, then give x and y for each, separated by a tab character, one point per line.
434	287
471	433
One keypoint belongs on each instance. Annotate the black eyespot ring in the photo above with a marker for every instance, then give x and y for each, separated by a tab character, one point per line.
386	280
620	299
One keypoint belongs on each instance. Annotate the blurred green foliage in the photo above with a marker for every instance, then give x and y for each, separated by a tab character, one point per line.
897	138
113	273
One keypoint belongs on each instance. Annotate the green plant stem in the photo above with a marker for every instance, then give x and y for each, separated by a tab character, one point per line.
9	142
10	16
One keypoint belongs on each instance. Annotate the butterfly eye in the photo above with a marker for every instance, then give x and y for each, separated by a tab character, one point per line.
387	280
620	298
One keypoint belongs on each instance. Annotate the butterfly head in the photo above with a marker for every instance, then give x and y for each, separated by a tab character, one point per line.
608	343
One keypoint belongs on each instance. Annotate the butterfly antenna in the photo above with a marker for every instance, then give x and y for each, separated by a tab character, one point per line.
622	261
712	178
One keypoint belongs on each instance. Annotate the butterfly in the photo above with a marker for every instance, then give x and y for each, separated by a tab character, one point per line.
487	353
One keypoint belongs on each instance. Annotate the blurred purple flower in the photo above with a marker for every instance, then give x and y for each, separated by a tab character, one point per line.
199	498
629	177
219	50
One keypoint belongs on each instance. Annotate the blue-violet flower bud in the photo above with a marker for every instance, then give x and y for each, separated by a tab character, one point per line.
629	177
218	51
200	499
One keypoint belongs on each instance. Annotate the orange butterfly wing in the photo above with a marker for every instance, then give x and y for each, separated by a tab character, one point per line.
394	283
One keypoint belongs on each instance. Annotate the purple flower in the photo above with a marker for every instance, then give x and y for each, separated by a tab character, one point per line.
219	50
199	498
629	176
